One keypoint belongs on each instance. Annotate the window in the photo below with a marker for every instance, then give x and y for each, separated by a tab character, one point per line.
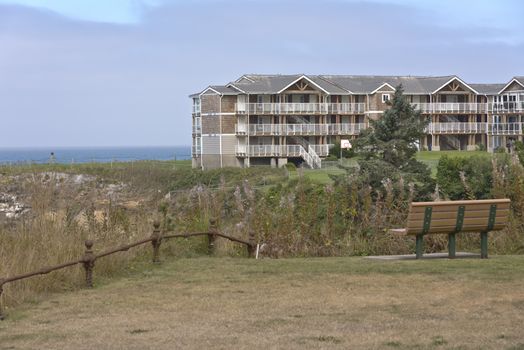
385	98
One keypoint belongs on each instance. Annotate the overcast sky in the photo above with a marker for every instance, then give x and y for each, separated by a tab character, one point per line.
119	72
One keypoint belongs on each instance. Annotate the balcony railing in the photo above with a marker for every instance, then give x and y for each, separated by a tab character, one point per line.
455	108
346	128
506	107
197	129
505	128
300	129
195	150
456	128
279	150
196	109
300	108
359	108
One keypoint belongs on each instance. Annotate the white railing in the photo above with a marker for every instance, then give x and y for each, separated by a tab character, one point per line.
195	150
346	128
300	108
196	109
451	107
312	157
505	128
506	107
316	162
241	128
197	129
303	129
346	108
456	128
321	150
358	108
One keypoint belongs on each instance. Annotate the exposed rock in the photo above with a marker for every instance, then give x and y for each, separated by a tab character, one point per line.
10	207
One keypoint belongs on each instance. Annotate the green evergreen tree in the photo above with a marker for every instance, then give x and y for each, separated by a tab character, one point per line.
388	147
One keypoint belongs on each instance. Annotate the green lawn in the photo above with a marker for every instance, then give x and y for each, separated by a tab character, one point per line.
432	158
427	157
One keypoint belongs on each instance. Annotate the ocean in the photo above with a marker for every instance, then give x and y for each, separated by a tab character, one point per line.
70	155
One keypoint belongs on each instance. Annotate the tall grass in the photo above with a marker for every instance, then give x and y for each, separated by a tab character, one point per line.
292	217
62	217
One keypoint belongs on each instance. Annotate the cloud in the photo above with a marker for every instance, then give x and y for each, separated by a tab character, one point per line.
68	82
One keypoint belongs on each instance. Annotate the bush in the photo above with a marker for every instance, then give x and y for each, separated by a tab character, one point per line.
481	147
465	177
291	166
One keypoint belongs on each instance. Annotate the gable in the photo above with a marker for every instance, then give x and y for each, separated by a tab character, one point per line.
455	85
244	79
385	88
514	86
302	85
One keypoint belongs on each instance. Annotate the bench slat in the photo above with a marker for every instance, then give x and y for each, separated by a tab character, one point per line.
453	214
450	229
414	224
415	209
462	202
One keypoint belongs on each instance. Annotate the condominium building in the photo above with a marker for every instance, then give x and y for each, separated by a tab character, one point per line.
273	119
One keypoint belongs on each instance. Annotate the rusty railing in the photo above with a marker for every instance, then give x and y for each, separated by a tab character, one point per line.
156	238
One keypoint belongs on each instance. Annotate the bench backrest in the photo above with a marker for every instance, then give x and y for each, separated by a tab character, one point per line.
457	216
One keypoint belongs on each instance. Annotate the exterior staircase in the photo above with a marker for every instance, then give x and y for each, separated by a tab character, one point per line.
451	141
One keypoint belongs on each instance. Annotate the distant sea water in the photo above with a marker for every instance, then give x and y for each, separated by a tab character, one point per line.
70	155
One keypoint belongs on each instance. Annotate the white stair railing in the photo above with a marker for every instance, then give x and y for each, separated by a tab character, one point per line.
316	162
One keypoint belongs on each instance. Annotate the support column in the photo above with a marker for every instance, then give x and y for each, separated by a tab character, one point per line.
472	144
436	143
451	246
483	245
419	246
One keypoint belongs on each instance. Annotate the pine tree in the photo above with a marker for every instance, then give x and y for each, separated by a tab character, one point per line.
388	147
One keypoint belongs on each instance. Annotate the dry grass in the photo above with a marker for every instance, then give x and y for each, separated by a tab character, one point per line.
62	217
338	303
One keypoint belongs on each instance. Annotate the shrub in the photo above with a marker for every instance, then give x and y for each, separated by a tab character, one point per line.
465	177
291	166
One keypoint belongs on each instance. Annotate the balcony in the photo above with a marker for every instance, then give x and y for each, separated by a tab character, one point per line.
300	108
505	128
456	128
196	109
195	151
452	108
279	150
506	107
197	129
300	129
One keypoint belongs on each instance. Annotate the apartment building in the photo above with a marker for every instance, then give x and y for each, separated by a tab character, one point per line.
273	119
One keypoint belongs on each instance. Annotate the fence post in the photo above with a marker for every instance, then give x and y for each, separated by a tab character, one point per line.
89	262
156	240
211	237
1	290
251	247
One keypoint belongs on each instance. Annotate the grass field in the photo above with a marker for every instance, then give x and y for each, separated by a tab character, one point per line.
316	175
427	157
322	303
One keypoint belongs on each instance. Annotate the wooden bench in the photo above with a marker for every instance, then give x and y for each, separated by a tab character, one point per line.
452	217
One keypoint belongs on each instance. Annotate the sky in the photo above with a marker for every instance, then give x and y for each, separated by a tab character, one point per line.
119	72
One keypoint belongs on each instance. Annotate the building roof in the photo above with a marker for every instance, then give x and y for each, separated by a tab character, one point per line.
488	89
366	84
218	89
347	84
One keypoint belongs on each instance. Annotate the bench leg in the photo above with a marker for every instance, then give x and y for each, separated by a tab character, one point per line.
451	246
419	245
483	245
